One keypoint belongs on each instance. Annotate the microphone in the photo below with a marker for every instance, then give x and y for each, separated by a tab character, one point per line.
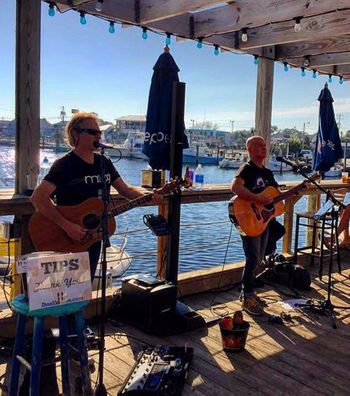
295	167
99	144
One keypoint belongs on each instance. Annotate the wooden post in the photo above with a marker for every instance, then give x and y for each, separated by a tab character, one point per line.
27	158
313	204
288	224
263	107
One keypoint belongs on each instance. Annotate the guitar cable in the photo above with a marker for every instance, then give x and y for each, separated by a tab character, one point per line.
221	306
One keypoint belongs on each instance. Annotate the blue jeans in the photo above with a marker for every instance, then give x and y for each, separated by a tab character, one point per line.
254	251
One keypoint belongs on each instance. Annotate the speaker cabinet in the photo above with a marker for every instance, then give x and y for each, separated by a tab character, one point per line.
148	303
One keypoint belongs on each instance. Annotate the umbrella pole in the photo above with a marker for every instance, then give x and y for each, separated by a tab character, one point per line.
177	135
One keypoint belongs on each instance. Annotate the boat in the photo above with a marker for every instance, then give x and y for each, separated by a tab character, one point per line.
118	262
200	153
335	172
234	161
130	148
277	166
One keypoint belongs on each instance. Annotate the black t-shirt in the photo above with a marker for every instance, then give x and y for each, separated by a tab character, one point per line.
256	179
77	180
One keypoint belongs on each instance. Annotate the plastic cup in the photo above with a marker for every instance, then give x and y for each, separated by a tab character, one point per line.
344	177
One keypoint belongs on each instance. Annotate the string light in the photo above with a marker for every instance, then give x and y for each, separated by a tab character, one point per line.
341	80
303	74
285	66
200	43
144	33
51	9
330	78
297	25
256	60
216	50
244	36
168	39
99	5
82	18
111	27
314	74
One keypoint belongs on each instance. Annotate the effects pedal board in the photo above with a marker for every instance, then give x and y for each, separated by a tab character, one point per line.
158	371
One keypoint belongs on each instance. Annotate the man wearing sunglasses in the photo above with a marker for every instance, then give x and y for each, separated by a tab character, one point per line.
76	177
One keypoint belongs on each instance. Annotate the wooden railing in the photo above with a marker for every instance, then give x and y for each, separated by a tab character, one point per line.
22	208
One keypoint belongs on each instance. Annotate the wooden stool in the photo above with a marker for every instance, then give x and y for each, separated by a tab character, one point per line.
21	306
323	224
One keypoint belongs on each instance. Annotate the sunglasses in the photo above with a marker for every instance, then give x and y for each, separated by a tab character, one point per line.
89	131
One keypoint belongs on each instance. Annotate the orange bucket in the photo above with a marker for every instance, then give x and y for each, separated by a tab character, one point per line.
234	340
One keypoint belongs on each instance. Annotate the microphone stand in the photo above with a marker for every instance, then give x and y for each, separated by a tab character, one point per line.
101	389
324	306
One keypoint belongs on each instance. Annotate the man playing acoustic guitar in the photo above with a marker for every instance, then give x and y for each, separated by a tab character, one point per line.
75	177
252	178
72	180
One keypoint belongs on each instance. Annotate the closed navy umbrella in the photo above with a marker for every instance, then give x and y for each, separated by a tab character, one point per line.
158	122
328	148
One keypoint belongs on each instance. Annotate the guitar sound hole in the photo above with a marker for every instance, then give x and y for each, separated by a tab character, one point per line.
91	222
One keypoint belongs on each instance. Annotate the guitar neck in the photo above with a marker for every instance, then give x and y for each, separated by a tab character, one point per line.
288	193
130	205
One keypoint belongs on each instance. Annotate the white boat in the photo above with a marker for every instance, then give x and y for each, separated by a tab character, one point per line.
201	154
335	172
234	161
277	166
118	262
131	147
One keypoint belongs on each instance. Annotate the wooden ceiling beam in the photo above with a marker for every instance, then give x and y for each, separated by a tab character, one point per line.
150	10
312	29
123	11
254	13
342	58
156	10
335	70
325	46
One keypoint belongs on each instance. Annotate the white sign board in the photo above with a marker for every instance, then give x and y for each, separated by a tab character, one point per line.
55	279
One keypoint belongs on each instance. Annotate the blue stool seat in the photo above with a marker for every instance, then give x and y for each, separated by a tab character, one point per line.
21	306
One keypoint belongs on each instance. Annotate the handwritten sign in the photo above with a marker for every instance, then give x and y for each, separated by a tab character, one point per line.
55	278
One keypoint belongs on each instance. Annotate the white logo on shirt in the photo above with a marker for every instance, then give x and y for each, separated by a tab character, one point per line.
95	179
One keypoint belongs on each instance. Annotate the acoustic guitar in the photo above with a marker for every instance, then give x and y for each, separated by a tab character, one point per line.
250	218
48	236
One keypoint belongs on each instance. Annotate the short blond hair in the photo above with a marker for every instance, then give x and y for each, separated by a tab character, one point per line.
251	140
74	124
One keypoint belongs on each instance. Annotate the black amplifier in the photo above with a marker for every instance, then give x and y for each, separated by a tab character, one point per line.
148	302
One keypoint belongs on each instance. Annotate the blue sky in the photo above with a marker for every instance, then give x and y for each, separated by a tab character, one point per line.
87	68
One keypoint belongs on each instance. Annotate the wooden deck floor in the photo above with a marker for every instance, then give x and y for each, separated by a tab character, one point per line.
304	357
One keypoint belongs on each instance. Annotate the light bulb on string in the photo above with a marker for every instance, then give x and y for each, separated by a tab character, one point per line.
285	66
51	9
244	36
297	25
200	43
168	39
256	60
303	74
341	80
216	50
314	74
99	5
330	78
144	33
82	18
111	27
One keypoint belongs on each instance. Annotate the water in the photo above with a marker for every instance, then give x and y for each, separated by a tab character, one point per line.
207	237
